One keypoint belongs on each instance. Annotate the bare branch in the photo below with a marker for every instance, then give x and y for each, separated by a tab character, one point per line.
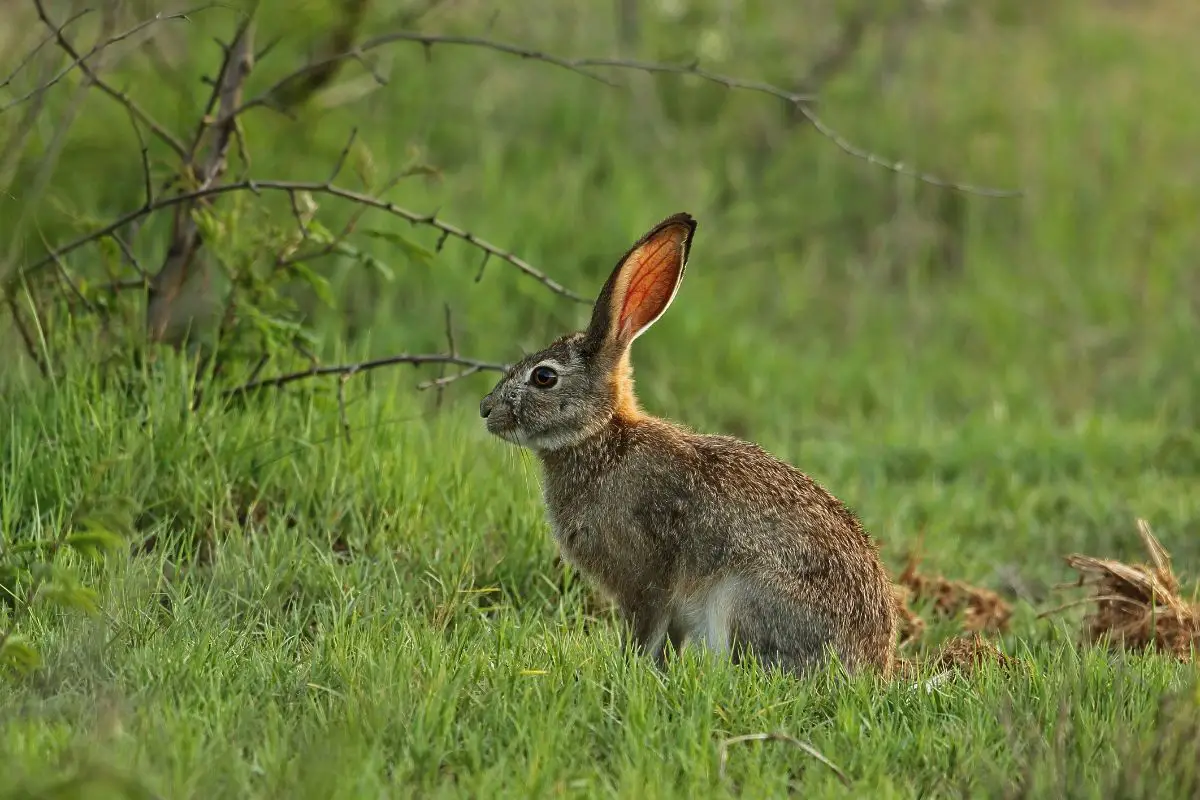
412	217
186	239
79	60
800	100
121	97
364	366
899	167
275	96
693	69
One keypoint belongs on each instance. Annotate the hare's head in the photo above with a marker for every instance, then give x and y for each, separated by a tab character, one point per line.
573	388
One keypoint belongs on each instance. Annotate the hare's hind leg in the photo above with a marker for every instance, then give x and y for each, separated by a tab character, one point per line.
777	631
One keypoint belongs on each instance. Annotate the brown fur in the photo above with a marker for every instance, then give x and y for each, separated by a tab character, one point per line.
695	536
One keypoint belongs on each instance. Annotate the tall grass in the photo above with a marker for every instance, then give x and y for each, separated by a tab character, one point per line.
996	381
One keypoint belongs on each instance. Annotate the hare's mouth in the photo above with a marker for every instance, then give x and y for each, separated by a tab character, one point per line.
504	427
510	435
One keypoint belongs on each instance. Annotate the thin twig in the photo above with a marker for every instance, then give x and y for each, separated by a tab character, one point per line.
429	220
723	751
694	70
441	383
78	60
121	97
898	167
341	162
144	152
363	366
65	276
130	257
45	40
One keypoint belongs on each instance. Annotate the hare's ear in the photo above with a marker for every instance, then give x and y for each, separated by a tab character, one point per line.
643	284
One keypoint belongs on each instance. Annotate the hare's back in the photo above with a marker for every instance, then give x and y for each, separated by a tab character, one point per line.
768	491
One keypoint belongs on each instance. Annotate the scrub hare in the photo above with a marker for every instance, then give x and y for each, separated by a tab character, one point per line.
695	536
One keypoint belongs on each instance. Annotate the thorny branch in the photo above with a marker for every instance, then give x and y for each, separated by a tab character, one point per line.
186	241
272	97
428	220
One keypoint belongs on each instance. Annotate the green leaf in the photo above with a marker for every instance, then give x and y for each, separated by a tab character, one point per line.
366	259
319	233
94	541
67	596
16	652
317	282
415	252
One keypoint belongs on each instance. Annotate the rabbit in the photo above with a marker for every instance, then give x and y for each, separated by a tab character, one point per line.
696	537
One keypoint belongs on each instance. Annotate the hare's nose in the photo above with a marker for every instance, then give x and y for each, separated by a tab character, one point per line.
485	406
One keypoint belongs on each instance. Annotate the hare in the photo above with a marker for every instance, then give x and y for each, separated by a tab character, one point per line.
695	536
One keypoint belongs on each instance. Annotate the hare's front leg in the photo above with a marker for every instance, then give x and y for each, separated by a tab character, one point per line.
651	627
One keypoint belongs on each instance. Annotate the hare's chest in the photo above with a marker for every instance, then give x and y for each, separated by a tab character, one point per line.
588	522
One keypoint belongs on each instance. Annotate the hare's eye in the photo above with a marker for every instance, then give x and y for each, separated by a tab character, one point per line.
543	377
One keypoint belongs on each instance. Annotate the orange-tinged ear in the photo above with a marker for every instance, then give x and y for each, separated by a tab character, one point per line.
643	284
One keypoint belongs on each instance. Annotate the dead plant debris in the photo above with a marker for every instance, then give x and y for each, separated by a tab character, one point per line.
1137	606
911	626
966	653
983	610
962	654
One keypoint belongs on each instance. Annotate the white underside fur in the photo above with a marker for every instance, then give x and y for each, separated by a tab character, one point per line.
706	615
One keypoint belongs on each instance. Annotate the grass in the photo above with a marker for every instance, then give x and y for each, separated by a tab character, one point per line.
999	382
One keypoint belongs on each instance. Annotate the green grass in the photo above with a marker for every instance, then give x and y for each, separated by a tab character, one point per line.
384	616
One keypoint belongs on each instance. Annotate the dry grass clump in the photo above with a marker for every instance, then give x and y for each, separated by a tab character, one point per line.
1137	606
965	653
962	654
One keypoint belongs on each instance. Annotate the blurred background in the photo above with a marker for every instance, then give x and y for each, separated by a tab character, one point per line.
870	326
